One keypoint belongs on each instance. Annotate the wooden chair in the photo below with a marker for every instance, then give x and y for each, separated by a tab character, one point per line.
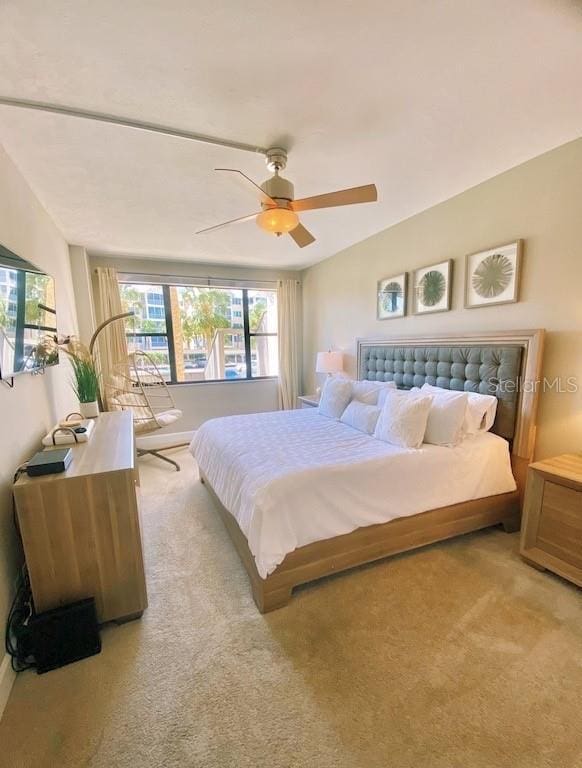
136	384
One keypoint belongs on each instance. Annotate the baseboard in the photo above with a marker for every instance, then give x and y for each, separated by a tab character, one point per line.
7	678
164	440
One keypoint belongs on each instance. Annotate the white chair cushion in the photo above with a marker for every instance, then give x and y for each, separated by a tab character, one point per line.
168	417
143	423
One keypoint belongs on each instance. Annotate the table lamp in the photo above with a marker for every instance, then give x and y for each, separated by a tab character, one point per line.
330	363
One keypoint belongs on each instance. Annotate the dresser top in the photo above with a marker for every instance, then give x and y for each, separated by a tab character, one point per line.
110	449
568	466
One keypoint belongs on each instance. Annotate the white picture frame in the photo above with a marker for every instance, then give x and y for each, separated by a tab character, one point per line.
391	297
492	277
432	288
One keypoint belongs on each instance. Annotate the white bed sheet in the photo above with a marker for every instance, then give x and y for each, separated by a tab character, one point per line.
294	477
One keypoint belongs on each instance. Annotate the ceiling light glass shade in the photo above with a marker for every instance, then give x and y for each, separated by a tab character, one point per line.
277	220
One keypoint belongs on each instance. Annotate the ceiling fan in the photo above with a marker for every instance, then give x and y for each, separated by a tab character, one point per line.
279	209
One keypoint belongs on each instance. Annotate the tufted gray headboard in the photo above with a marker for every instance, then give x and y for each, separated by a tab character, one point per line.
472	366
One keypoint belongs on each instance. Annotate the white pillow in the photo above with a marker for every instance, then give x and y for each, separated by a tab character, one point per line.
481	409
403	418
368	391
446	419
361	416
337	393
390	386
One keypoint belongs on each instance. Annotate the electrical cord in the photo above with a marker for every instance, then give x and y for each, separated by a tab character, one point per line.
21	609
16	628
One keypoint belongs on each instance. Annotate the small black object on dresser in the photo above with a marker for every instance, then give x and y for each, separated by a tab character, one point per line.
49	462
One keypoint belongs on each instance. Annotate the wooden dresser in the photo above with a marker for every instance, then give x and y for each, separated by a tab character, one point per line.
551	529
81	529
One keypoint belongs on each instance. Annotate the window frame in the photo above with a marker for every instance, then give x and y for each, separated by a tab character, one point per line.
248	334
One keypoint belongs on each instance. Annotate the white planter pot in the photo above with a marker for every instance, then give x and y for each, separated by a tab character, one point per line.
89	410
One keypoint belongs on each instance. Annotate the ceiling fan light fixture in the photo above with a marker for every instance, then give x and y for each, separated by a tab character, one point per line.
277	220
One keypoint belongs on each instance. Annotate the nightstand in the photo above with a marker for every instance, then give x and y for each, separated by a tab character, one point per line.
551	529
308	401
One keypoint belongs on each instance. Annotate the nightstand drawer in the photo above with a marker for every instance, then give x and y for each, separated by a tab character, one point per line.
551	534
560	523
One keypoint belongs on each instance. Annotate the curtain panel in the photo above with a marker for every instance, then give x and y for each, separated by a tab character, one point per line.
289	332
111	344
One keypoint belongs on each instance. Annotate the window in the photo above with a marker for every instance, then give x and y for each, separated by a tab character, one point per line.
196	333
155	313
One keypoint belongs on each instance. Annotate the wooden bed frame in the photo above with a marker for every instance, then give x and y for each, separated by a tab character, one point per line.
374	542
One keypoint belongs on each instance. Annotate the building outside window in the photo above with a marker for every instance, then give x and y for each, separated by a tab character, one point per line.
196	333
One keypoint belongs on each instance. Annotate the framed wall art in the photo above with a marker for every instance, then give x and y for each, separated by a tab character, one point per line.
391	297
432	288
492	277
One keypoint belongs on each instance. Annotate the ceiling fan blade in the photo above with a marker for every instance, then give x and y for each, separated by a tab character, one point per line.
302	236
263	196
226	223
365	194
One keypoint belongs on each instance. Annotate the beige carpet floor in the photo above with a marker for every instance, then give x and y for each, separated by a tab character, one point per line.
458	655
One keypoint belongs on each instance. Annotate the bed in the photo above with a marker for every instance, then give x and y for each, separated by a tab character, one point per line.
303	496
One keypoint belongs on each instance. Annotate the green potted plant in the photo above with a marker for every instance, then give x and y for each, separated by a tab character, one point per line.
85	377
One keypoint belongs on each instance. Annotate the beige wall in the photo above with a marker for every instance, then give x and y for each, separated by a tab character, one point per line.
81	277
539	201
29	410
152	266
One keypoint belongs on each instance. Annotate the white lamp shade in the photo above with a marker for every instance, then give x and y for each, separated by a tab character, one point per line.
329	362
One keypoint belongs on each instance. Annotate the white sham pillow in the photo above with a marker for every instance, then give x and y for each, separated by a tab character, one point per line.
361	416
481	409
336	394
403	418
446	419
369	391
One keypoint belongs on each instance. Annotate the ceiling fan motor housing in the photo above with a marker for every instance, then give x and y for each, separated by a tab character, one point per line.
278	188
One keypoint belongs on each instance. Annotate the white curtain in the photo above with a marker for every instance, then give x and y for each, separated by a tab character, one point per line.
289	333
112	344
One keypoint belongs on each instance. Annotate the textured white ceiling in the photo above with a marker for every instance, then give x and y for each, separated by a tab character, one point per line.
424	98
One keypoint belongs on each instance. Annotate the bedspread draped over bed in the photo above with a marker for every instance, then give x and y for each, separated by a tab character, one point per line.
294	477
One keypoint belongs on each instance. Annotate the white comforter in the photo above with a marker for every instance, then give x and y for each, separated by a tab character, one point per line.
294	477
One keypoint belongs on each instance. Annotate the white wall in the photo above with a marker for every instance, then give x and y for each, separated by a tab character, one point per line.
29	410
202	401
539	201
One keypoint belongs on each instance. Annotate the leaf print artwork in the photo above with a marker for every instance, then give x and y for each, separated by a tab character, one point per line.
431	288
391	296
492	276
